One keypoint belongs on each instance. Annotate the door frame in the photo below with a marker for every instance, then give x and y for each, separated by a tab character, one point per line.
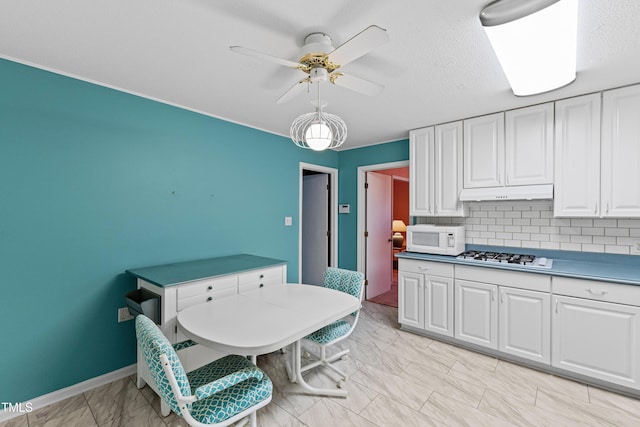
333	209
362	208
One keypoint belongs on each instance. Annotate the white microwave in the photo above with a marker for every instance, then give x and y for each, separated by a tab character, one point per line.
435	239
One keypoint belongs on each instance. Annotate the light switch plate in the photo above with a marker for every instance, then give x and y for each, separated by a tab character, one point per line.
288	221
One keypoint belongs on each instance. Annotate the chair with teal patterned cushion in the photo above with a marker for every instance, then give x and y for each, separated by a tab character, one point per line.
351	282
220	393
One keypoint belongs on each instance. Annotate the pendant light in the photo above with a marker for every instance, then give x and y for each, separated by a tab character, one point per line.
535	41
318	130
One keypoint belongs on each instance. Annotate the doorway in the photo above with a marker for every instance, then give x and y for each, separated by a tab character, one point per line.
383	197
318	226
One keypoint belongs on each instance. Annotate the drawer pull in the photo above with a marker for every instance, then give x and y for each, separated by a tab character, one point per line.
493	294
262	276
262	285
502	297
556	306
210	287
421	267
209	299
596	292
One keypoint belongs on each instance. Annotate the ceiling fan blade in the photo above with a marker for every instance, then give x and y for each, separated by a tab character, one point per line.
358	45
264	56
356	84
292	92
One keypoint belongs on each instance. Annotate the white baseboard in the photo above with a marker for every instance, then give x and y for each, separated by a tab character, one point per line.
67	392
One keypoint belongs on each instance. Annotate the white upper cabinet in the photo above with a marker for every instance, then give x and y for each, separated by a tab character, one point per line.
597	173
448	170
421	172
435	174
509	149
577	156
620	173
483	149
529	145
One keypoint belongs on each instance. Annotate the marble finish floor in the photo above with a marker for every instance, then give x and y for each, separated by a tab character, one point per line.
396	378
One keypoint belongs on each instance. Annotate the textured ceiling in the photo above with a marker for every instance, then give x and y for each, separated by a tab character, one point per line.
438	67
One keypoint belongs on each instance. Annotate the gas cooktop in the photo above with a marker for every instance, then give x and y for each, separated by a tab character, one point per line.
507	258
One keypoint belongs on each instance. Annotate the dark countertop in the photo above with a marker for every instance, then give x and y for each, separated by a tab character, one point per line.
176	273
580	265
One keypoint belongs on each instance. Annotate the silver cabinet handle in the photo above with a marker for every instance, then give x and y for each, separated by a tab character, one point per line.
596	292
595	208
556	306
502	297
493	294
423	268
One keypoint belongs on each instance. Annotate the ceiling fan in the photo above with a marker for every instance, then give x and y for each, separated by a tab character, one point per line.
322	62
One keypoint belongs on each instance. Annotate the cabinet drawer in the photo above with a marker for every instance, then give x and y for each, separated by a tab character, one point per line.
595	290
245	287
203	298
254	276
514	279
426	267
207	286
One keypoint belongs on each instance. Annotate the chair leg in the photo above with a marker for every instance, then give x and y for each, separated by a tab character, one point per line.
253	419
165	409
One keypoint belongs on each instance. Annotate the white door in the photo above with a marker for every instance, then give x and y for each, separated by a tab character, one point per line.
379	243
576	190
410	289
598	339
483	152
529	145
524	324
438	305
621	152
315	227
476	313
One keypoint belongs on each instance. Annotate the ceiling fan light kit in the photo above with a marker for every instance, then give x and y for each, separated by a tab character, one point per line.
320	61
535	41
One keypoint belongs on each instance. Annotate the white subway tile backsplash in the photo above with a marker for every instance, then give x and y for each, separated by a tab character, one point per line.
532	225
618	232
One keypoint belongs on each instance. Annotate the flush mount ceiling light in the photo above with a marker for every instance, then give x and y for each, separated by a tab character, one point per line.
535	41
318	130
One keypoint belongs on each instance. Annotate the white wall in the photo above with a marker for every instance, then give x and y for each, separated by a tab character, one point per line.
532	225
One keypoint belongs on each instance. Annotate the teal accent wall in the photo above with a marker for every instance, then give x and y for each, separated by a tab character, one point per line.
94	181
350	161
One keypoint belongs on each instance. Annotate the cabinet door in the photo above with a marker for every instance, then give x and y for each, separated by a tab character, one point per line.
410	299
448	170
621	152
529	145
483	151
524	324
598	339
438	305
421	172
576	191
476	313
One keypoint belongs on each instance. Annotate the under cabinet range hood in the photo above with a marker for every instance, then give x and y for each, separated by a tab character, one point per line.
520	192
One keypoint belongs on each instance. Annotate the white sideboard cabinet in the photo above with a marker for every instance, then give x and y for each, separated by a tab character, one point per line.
184	284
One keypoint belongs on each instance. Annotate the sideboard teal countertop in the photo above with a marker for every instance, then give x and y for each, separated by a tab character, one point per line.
580	265
180	272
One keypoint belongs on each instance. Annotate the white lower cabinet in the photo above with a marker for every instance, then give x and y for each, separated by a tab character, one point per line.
410	294
504	310
525	324
438	305
598	337
425	295
476	313
586	328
